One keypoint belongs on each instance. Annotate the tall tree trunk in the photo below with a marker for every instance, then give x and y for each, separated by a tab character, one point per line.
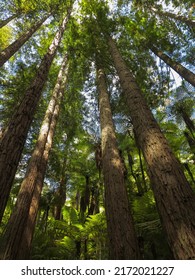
84	201
142	170
94	201
188	122
141	163
60	194
181	70
77	201
14	137
121	232
140	190
16	45
174	197
6	21
191	141
183	19
20	227
189	172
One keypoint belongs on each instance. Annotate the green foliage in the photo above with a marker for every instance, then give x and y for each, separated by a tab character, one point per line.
5	37
61	237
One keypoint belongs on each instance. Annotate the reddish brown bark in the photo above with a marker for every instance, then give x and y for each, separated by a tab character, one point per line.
174	197
14	137
16	45
60	193
20	227
121	232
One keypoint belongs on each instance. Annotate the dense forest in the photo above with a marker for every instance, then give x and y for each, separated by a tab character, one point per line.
97	131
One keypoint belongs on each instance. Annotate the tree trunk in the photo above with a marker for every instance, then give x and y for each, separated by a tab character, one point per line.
174	197
181	70
20	227
6	21
189	172
141	163
188	122
77	201
142	170
14	137
138	183
183	19
60	193
93	206
15	46
191	141
84	201
121	232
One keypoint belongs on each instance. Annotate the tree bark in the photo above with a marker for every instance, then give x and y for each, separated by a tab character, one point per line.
6	21
60	192
174	197
191	141
16	45
13	139
84	201
189	172
121	232
183	19
60	196
20	228
181	70
186	118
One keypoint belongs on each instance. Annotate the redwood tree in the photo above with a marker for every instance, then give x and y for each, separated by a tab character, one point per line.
14	136
20	228
174	197
16	45
180	69
121	232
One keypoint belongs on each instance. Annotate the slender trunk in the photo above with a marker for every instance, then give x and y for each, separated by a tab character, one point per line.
98	158
174	197
140	190
191	141
60	199
131	163
77	200
181	70
189	172
78	249
92	205
14	137
183	19
142	170
188	122
84	201
60	193
20	227
87	191
141	163
94	202
6	21
16	45
121	232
